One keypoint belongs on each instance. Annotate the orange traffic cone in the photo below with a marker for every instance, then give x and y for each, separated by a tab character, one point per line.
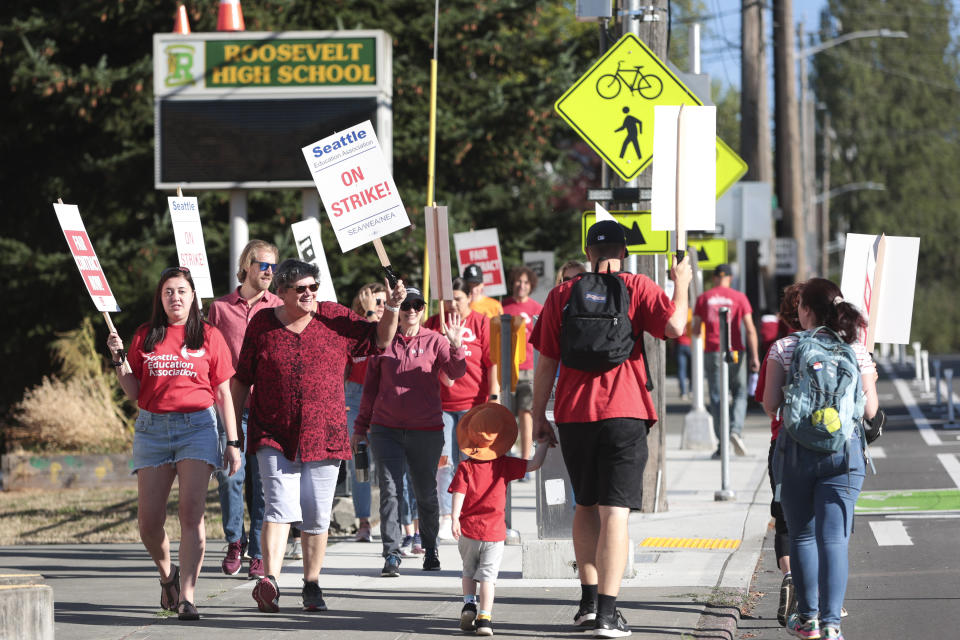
181	24
230	16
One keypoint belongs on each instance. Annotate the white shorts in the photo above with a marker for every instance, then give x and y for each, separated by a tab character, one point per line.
481	560
295	492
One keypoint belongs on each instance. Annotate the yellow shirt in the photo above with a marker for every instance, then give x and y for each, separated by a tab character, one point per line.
488	307
518	340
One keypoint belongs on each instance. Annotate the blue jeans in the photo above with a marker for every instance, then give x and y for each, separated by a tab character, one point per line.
818	494
353	393
230	489
737	373
450	449
683	366
420	450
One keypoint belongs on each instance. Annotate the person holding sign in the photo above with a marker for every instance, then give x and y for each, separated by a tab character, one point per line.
523	281
819	488
294	356
180	368
401	415
603	414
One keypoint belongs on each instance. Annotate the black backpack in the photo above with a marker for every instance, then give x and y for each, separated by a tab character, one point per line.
596	333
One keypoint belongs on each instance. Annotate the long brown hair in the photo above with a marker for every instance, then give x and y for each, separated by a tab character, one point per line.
824	298
193	331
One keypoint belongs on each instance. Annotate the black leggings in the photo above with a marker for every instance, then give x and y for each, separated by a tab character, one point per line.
781	540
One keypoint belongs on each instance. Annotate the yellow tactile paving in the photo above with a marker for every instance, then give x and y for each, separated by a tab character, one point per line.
691	543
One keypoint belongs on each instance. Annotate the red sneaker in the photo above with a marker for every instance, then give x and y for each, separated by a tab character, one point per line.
232	563
256	569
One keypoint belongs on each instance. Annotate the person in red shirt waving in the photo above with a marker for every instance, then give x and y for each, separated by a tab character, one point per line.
479	491
180	367
294	356
524	280
603	419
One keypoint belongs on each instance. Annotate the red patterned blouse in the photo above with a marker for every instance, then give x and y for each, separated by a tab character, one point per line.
297	404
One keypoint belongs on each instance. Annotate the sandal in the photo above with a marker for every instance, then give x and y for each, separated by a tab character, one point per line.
170	590
187	611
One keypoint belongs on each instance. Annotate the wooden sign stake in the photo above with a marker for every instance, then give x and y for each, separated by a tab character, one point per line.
680	233
875	293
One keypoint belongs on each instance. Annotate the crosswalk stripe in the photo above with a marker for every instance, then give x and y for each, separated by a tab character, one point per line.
890	533
950	463
927	432
877	452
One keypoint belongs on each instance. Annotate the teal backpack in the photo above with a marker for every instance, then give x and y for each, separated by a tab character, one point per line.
823	399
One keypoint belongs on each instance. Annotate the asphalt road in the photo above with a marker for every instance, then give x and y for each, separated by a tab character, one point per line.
905	551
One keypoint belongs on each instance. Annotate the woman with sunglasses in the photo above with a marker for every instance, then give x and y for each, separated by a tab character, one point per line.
402	412
369	304
294	356
179	369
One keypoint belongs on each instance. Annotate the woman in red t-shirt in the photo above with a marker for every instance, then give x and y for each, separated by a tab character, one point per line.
179	368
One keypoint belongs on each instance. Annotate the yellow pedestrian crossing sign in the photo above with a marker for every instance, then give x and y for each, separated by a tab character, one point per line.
710	252
641	238
611	108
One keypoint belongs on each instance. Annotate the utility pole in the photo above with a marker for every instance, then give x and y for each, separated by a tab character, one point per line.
754	106
789	179
825	202
647	19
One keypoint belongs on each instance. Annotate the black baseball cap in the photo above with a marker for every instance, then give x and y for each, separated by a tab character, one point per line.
413	294
722	270
473	274
606	232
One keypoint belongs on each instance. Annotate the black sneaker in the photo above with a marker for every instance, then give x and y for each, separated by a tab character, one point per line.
484	627
586	615
312	597
431	560
391	568
615	627
467	616
785	608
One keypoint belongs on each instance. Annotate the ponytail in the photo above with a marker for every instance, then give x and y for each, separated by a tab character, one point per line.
825	300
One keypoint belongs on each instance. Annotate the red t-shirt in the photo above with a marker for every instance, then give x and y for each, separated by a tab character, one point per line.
484	485
585	396
527	310
358	369
174	378
474	387
708	311
758	394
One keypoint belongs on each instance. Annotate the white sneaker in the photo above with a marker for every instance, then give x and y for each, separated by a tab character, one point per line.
738	446
446	530
293	550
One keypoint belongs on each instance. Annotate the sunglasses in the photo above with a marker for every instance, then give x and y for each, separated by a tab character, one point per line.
169	271
303	287
265	265
416	305
379	301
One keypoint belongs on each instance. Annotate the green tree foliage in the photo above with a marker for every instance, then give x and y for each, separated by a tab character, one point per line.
77	104
894	109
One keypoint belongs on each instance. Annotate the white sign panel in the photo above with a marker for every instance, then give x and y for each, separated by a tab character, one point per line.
897	283
306	235
85	257
355	185
541	263
482	248
185	215
697	171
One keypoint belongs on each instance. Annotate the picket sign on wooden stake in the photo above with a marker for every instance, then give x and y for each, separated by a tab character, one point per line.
438	256
680	232
875	289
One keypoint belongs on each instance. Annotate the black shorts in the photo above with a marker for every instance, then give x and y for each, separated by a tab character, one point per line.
524	393
605	460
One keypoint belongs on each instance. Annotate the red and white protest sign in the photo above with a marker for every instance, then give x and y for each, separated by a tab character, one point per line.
355	185
482	248
85	257
191	252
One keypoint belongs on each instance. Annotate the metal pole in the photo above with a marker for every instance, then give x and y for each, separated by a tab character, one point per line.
239	231
725	492
506	399
936	370
948	374
925	369
916	361
694	44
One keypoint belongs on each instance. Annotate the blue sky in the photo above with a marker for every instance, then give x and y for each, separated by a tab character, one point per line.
721	53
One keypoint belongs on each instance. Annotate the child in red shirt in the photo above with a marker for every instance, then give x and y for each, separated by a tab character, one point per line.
479	489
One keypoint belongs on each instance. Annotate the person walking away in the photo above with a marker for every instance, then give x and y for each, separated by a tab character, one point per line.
294	356
180	368
523	281
603	415
479	491
473	276
707	313
231	314
402	413
820	448
480	383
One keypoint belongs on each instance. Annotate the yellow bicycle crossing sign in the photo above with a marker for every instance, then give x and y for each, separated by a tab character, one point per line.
611	108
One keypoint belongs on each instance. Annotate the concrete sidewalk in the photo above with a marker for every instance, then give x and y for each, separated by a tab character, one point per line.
111	591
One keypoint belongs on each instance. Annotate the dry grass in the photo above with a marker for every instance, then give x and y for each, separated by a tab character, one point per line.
102	514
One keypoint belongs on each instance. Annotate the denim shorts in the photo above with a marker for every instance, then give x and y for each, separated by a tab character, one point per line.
168	438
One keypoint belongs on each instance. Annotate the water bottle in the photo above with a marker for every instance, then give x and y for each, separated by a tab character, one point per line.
361	463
